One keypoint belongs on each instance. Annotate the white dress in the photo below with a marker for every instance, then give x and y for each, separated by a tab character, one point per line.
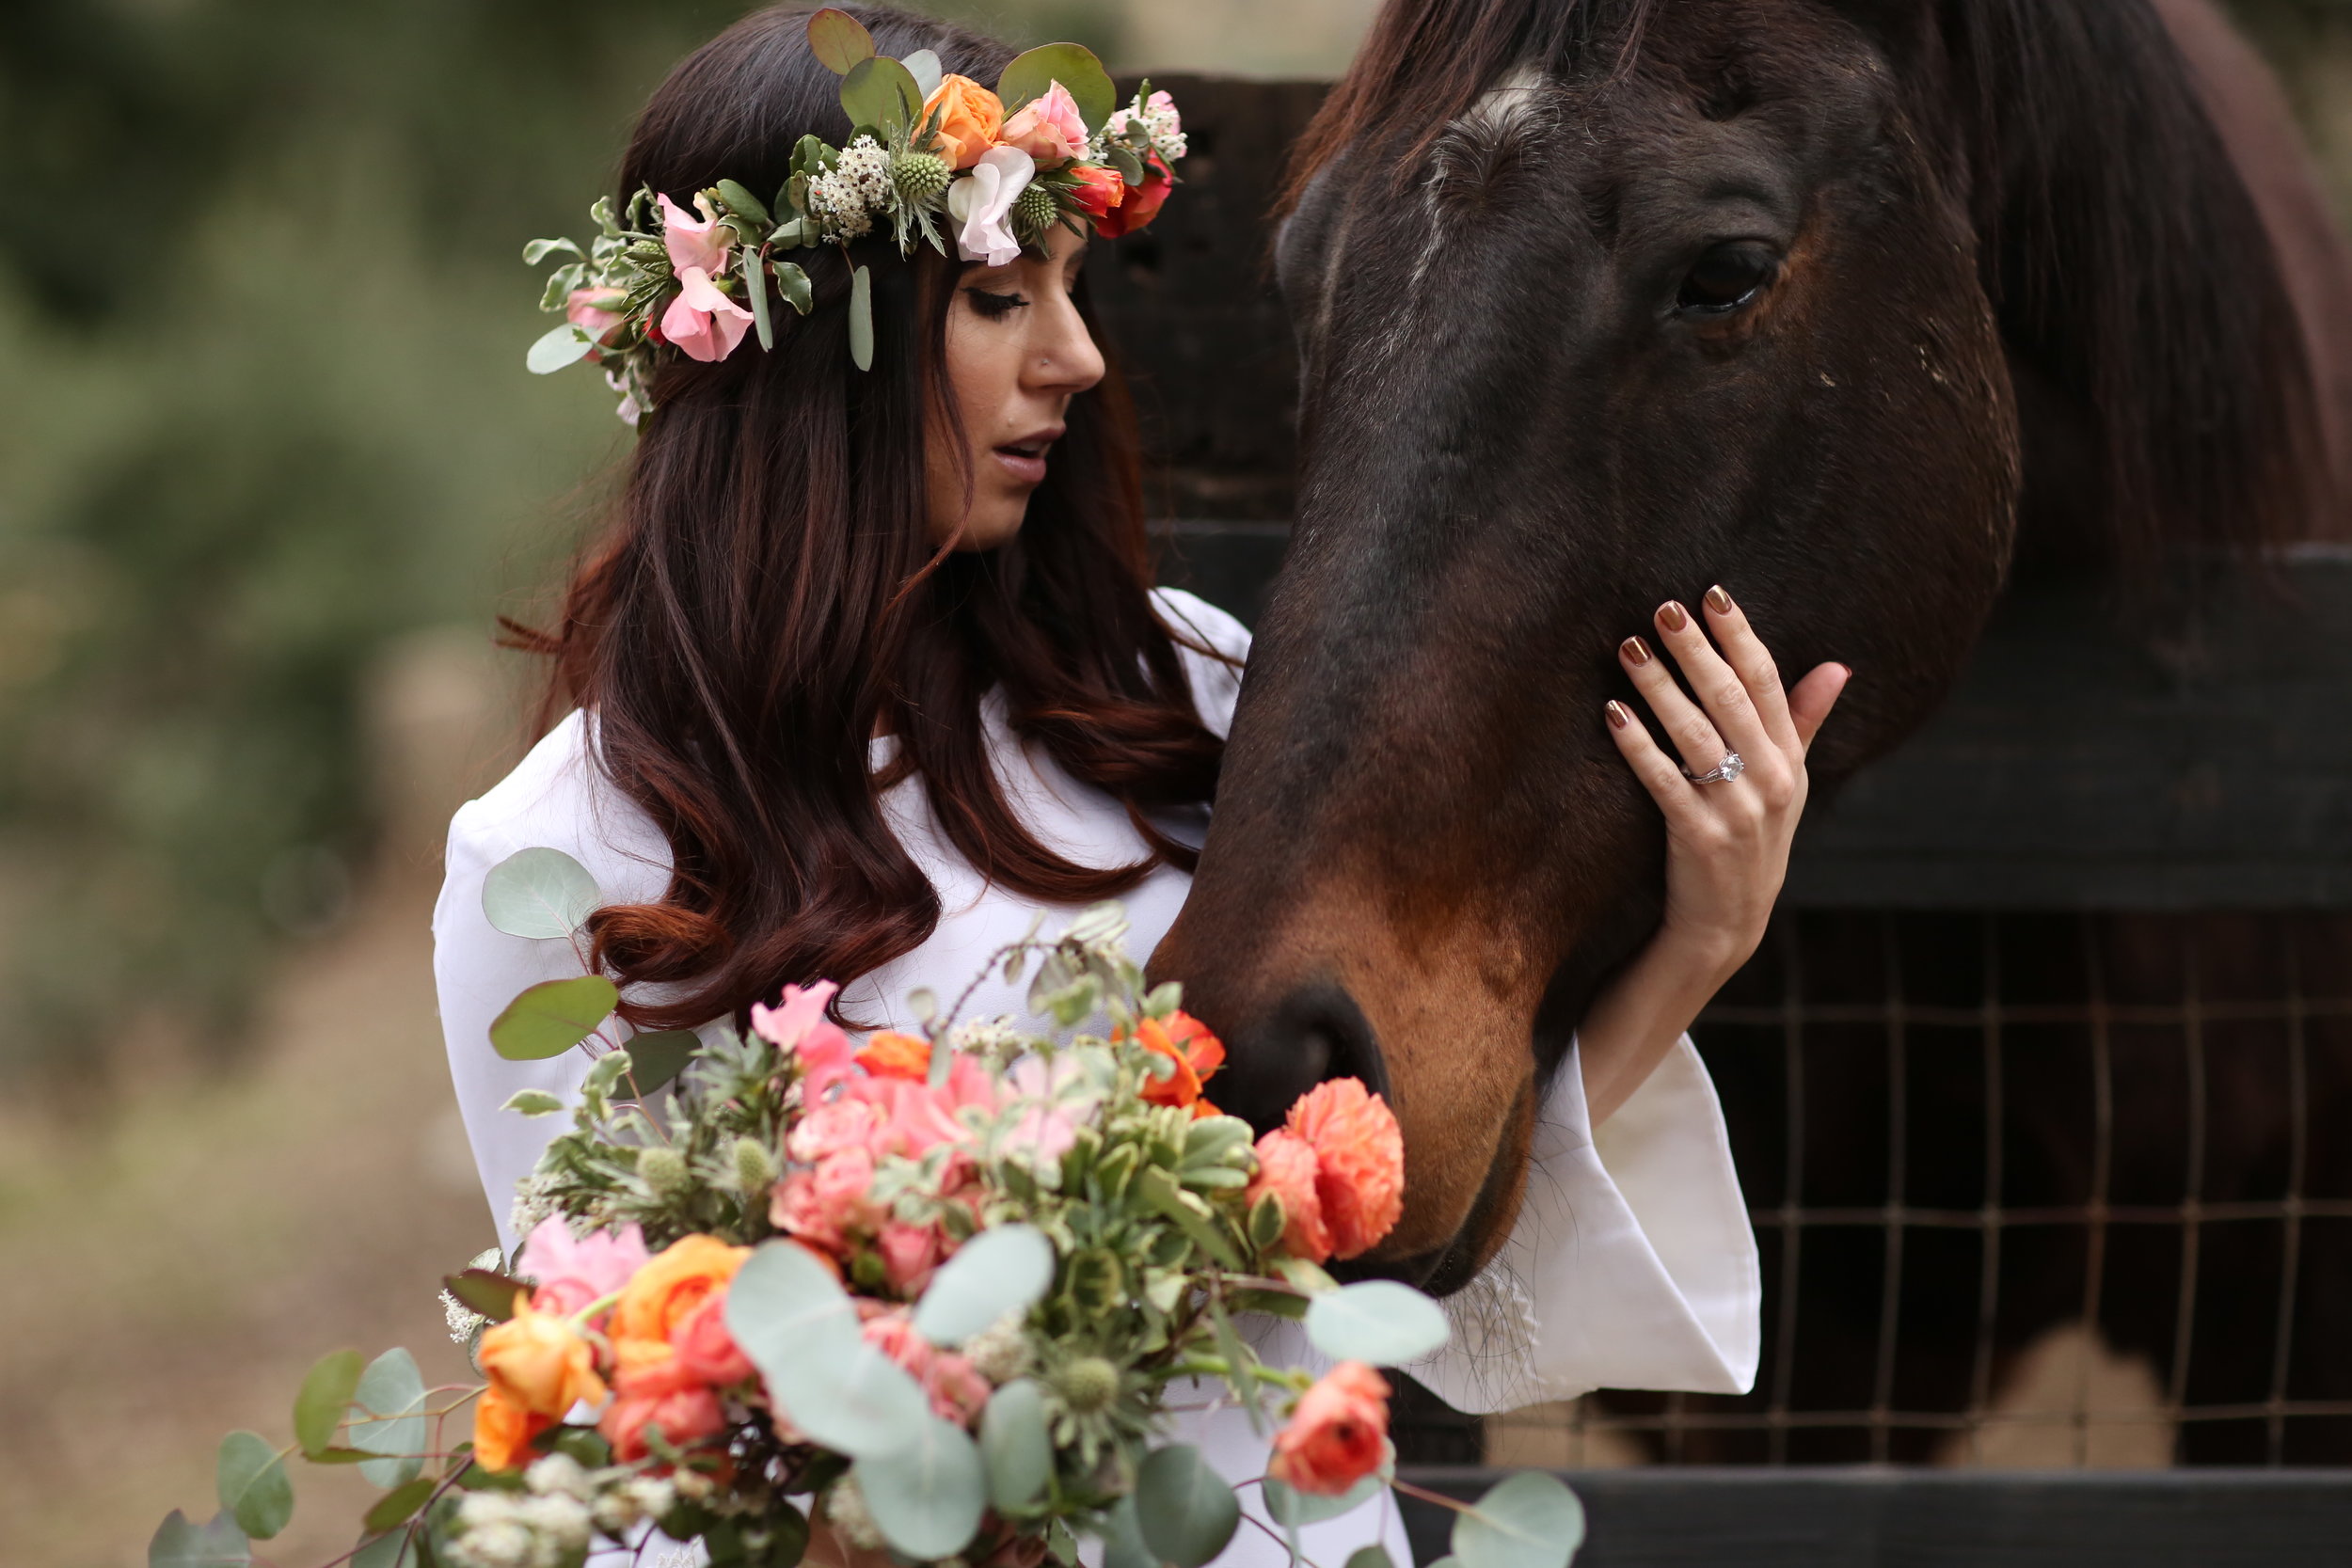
1631	1266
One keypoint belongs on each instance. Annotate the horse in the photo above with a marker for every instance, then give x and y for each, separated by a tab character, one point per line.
1851	306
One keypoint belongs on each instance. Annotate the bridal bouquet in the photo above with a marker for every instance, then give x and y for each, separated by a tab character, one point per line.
939	1294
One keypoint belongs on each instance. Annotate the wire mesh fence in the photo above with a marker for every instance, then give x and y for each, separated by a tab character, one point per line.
2028	1187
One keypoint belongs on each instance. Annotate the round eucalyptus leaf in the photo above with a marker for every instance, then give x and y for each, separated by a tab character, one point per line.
539	893
551	1016
1296	1510
1001	1270
881	92
253	1486
838	40
1529	1520
799	1329
923	65
386	1420
1075	66
1376	1557
327	1390
1376	1320
564	345
393	1549
1187	1510
1123	1538
927	1496
656	1058
1015	1449
179	1541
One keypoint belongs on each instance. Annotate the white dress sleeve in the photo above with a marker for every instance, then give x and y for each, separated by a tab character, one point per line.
1631	1265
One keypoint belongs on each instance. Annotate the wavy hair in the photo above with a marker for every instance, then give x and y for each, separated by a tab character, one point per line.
765	600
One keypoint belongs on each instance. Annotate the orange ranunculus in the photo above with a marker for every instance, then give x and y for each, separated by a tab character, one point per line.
1360	1162
1142	203
502	1430
1186	1042
665	1293
970	120
890	1054
539	1362
1286	1168
1338	1435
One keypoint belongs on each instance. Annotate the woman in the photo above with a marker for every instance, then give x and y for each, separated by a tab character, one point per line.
868	673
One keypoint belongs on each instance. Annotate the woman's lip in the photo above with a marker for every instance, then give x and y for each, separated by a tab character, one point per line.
1027	469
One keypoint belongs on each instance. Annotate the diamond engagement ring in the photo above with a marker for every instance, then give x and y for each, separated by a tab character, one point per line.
1725	771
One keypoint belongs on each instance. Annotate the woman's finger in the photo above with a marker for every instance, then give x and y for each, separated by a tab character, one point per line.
1815	695
1716	684
1674	793
1746	653
1694	734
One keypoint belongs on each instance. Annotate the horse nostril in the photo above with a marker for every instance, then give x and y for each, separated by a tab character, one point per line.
1316	1032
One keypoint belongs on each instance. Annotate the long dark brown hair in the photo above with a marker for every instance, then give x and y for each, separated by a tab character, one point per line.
766	600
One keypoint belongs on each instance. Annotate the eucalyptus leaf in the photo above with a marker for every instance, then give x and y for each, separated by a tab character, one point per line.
392	1393
551	1016
1015	1449
1001	1270
861	320
1376	1557
1123	1538
1528	1520
838	40
533	1102
1075	66
743	203
179	1541
755	287
394	1508
490	1294
881	92
254	1489
656	1058
1186	1510
1296	1510
1130	166
1376	1320
539	893
923	65
327	1389
393	1549
927	1497
1191	1215
792	1319
563	345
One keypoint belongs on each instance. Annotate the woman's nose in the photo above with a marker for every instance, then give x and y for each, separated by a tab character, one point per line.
1067	359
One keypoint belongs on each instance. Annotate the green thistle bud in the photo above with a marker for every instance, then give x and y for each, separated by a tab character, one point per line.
1087	1385
664	1170
918	176
1033	209
754	1168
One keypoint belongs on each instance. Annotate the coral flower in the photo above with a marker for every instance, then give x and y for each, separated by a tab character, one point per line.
1185	1040
1286	1168
1338	1435
890	1054
1360	1162
502	1430
538	1362
685	1414
970	118
1098	190
670	1288
1142	204
707	1352
1047	128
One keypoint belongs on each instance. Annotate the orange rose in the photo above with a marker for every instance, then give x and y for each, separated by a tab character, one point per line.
502	1430
1186	1042
1098	189
539	1362
1360	1162
665	1293
1286	1168
891	1054
970	120
1338	1435
1142	203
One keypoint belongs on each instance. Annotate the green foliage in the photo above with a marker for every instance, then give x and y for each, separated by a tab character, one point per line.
1186	1510
181	1542
1377	1320
387	1418
250	1477
1030	74
1528	1520
327	1390
1014	1448
926	1495
798	1327
552	1017
999	1271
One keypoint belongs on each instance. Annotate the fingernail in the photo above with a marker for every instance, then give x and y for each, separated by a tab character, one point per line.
1671	616
1719	601
1636	651
1620	715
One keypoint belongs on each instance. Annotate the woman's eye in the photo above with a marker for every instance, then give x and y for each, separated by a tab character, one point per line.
993	306
1727	278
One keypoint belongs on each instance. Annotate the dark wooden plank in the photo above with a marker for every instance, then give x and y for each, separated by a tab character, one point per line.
1878	1518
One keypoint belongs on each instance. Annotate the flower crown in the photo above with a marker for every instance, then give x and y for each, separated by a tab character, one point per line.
1001	169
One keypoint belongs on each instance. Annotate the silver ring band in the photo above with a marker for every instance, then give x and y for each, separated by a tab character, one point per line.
1725	771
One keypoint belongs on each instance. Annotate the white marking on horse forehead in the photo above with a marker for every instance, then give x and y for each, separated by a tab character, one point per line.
1505	108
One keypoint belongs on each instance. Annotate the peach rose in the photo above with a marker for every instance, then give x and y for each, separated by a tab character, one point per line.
502	1430
685	1416
1048	128
1185	1040
668	1290
1142	203
1098	189
1338	1435
1286	1168
539	1362
1360	1162
706	1351
970	118
890	1054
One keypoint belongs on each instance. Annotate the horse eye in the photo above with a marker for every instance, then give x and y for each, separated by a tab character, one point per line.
1727	278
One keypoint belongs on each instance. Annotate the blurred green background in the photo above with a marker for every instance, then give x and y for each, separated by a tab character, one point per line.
269	465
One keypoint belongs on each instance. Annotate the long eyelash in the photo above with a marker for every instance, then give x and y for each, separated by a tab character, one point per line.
991	306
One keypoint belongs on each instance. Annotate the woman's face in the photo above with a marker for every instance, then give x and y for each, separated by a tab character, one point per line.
1017	353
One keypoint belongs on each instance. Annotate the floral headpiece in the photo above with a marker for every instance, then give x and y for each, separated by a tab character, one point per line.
1000	169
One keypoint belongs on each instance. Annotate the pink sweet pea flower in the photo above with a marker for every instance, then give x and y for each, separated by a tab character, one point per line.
980	203
694	244
595	312
799	1025
705	324
572	1271
1048	129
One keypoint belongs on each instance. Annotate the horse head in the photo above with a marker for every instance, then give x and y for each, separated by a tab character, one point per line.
1600	304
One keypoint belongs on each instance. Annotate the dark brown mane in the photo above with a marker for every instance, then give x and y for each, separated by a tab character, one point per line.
2133	277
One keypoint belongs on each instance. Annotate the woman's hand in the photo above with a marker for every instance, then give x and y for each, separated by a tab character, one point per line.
1727	841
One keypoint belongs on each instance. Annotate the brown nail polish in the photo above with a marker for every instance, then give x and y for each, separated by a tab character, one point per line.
1620	715
1719	601
1671	616
1636	651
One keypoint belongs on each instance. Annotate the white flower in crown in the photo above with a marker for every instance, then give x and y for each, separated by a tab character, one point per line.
981	205
856	188
1160	122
